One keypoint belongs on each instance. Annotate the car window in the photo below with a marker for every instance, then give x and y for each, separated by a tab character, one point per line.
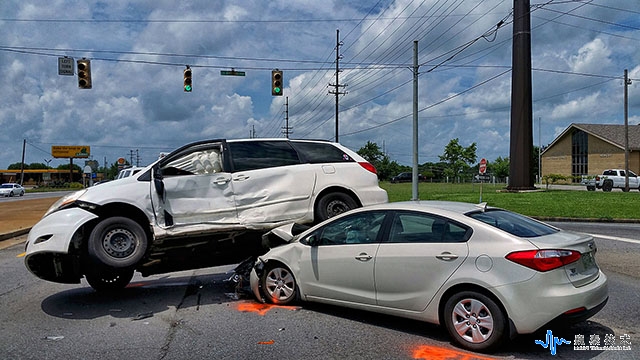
316	153
360	228
199	161
513	223
412	227
251	155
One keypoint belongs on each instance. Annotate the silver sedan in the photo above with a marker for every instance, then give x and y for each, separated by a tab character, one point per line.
485	274
11	189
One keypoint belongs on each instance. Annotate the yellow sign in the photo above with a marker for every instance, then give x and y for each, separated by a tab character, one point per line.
70	151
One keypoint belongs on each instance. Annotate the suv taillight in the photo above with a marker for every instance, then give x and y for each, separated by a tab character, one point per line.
544	260
368	166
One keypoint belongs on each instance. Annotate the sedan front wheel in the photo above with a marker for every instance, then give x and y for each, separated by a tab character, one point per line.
475	321
279	285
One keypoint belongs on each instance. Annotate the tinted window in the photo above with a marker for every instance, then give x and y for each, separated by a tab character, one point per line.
410	227
253	155
513	223
360	228
320	153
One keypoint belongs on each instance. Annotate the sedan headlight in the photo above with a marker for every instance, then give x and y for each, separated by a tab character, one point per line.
65	201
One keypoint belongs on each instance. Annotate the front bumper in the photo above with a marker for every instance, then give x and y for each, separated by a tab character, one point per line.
51	243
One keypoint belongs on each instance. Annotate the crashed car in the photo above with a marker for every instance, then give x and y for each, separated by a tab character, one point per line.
485	274
205	204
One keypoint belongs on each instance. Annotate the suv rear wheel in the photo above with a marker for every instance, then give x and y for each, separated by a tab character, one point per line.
333	204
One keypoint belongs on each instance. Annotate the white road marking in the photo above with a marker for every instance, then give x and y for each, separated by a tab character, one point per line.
633	241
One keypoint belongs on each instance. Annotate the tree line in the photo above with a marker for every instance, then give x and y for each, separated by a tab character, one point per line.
457	163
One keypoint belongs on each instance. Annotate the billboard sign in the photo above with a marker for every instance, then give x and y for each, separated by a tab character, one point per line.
58	151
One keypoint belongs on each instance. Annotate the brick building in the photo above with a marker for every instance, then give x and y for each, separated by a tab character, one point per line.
588	149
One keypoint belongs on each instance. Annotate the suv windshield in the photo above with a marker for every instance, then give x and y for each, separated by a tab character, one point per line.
513	223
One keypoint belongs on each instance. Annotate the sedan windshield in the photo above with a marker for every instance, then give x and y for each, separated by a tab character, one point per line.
513	223
7	186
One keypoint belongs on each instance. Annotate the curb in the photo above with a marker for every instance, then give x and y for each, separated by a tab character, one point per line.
13	234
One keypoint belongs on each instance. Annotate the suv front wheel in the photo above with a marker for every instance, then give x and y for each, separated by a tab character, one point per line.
117	242
333	204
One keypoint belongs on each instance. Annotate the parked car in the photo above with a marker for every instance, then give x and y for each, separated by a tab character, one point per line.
483	273
11	189
406	177
204	204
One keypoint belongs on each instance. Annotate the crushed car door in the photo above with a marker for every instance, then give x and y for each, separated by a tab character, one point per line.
191	189
269	183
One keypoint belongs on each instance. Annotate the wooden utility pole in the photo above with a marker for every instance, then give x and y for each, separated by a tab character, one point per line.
521	140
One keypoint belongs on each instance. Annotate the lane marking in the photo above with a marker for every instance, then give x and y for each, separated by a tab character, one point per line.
615	238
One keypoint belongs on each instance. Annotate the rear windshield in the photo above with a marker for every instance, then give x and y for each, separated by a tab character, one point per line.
513	223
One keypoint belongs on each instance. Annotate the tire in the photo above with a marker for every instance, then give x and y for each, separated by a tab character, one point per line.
105	281
333	204
278	285
22	193
607	186
117	242
591	188
475	321
11	193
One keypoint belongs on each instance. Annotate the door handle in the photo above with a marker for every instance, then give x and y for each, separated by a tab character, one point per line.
240	177
447	256
364	257
221	180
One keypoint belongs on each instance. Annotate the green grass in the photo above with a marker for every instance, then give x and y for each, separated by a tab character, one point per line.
541	204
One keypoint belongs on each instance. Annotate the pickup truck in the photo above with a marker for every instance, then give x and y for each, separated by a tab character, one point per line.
610	179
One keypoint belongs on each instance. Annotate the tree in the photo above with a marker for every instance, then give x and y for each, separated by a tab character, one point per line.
458	159
384	166
500	167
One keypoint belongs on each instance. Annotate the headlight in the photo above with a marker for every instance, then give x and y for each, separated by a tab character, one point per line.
65	201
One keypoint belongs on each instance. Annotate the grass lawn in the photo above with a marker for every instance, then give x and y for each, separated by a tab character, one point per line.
597	205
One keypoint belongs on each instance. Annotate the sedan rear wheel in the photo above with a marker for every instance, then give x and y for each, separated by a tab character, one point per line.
475	321
279	285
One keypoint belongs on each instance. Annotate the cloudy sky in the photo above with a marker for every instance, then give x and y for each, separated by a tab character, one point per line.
139	49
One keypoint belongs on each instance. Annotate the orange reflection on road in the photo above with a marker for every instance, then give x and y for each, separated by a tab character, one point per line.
439	353
260	308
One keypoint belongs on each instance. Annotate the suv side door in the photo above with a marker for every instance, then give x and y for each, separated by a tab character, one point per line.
269	182
192	188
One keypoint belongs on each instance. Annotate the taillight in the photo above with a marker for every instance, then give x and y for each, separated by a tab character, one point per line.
544	260
368	166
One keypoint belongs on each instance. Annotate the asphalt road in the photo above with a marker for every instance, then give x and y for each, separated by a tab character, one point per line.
192	315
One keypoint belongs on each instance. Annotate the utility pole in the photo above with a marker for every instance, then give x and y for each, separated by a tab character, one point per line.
627	82
414	175
286	130
337	85
521	140
24	145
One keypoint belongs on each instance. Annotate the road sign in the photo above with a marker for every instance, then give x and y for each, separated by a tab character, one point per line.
65	66
232	73
482	168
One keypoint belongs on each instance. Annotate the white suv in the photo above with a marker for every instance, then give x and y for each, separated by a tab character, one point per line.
204	204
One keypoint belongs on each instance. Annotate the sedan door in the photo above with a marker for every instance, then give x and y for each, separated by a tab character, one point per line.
339	264
419	254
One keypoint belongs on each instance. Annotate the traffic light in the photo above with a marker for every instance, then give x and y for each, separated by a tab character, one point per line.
276	82
84	73
187	79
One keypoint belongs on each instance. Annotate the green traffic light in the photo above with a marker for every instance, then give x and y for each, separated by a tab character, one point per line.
277	90
187	88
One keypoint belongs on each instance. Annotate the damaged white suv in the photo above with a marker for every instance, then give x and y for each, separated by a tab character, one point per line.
204	204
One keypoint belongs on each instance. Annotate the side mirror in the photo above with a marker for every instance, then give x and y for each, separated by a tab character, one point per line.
312	240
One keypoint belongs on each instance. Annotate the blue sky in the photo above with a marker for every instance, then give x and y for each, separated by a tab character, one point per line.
138	51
